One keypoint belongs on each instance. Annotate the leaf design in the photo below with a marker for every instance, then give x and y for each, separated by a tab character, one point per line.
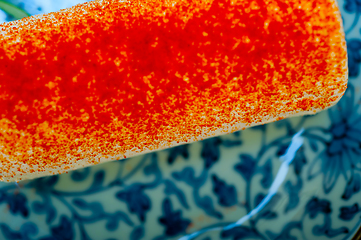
353	186
13	10
171	188
98	213
300	160
348	213
247	167
98	180
203	202
178	151
137	201
210	151
293	191
327	230
44	185
267	211
80	174
187	176
315	206
173	220
266	170
17	203
64	230
227	194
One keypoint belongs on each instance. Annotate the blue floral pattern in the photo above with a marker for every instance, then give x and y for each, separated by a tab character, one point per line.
221	188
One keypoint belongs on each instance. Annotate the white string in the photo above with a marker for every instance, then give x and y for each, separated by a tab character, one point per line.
287	158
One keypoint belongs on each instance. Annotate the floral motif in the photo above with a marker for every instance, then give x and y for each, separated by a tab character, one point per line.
341	142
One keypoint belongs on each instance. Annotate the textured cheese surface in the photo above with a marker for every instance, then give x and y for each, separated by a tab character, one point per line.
112	79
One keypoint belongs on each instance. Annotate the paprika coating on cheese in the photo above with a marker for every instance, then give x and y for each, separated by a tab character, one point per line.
110	79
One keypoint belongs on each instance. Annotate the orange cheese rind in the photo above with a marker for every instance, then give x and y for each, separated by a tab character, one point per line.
107	79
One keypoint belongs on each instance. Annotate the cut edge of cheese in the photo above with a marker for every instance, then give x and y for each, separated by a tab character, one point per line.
165	145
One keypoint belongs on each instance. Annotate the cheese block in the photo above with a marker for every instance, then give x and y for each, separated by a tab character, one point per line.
112	79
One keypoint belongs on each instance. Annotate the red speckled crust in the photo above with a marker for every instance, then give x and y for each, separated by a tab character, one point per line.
109	79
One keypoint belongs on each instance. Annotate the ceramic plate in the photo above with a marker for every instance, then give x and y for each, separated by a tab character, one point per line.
294	179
